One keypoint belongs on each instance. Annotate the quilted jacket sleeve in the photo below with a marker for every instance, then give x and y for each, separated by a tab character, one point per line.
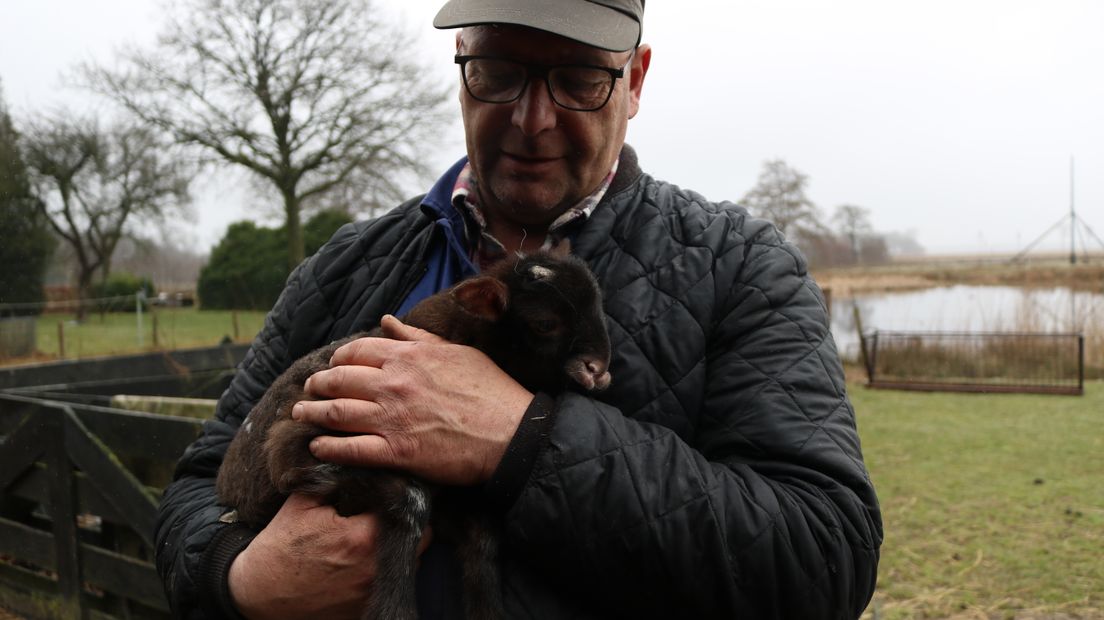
766	511
188	518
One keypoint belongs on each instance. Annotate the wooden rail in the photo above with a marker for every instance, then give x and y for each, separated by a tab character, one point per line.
79	487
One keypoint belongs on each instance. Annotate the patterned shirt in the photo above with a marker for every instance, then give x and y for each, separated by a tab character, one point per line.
486	248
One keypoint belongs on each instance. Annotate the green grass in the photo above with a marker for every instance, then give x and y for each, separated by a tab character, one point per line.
993	504
117	333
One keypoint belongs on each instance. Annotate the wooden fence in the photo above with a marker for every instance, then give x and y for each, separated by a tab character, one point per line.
79	488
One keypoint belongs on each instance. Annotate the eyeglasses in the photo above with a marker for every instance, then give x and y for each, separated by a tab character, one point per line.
584	88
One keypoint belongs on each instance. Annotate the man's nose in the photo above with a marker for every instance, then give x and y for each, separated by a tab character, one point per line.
535	111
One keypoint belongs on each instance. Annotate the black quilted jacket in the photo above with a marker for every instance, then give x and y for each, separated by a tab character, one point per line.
719	476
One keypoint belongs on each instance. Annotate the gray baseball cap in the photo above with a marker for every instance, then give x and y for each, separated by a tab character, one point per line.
613	25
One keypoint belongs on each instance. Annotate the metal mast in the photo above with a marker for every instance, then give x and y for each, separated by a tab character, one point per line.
1073	221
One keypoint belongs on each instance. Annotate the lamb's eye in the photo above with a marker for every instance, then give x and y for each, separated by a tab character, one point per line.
544	326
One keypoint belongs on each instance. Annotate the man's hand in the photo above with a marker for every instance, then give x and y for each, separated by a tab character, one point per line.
440	411
308	562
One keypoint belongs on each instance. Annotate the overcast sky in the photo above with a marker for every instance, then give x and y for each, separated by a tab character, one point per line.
954	119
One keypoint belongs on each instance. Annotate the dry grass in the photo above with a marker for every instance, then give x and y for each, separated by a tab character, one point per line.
1085	276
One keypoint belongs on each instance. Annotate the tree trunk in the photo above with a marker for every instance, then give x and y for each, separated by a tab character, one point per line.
296	251
85	275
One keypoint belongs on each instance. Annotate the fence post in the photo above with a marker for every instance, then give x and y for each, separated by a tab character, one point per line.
138	314
873	358
1081	363
234	318
862	341
61	339
63	511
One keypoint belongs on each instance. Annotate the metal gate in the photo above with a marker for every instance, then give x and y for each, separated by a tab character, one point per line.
1044	363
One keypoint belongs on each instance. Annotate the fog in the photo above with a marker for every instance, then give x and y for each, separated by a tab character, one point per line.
956	121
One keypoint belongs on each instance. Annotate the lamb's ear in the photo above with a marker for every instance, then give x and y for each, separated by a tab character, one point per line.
561	249
482	296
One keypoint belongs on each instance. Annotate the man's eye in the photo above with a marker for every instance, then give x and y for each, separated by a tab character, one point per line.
497	79
493	76
581	81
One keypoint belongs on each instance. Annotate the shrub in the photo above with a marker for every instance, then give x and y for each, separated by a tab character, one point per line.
248	267
119	285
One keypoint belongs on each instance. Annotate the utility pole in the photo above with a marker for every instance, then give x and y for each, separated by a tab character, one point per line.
1073	254
1075	226
1073	220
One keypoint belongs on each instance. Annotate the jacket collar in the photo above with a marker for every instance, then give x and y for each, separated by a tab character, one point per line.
628	170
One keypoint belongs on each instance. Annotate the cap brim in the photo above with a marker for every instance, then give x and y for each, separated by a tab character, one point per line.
585	22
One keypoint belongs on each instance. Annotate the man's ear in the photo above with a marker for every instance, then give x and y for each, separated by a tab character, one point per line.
484	297
642	59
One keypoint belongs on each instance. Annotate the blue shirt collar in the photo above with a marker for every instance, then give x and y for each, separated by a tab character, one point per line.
438	202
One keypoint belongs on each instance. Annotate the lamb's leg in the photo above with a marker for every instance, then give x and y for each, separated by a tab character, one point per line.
404	520
478	550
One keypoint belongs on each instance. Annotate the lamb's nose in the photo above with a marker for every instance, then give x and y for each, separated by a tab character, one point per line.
598	373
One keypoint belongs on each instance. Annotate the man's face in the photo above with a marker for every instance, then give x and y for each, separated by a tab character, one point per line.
532	158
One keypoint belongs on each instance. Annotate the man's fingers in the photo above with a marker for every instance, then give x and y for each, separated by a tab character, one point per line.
397	330
340	414
427	537
373	351
301	502
358	450
370	351
311	510
343	381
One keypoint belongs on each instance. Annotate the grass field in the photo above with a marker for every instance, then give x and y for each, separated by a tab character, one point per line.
993	504
117	333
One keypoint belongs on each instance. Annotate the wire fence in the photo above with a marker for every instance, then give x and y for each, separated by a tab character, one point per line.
34	332
9	309
125	303
1049	363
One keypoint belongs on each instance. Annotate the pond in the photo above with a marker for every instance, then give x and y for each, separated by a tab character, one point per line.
967	308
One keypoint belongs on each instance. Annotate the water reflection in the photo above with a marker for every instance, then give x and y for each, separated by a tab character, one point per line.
967	308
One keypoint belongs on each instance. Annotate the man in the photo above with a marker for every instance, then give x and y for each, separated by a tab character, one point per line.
719	476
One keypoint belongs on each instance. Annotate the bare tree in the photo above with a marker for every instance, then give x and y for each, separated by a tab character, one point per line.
95	186
853	223
903	244
779	196
315	96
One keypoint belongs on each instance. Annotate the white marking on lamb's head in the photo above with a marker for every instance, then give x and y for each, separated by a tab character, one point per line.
538	272
249	426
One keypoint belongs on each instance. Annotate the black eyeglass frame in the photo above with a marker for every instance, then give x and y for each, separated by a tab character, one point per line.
543	71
